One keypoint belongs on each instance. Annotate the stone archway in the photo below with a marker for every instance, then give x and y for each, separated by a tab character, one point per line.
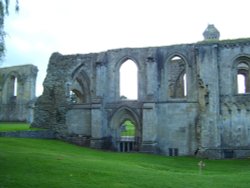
121	142
80	87
17	93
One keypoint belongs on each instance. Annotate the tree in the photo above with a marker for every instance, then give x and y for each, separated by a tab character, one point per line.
4	10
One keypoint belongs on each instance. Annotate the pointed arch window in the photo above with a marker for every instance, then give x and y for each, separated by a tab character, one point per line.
15	86
243	85
177	78
79	88
185	85
241	80
128	80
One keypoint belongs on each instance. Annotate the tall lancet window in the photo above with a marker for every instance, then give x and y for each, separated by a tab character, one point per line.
129	80
177	78
242	78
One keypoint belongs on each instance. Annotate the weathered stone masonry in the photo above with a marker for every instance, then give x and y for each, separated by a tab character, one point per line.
17	93
202	114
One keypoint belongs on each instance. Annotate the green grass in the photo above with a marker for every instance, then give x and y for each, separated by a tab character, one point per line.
129	129
55	164
15	126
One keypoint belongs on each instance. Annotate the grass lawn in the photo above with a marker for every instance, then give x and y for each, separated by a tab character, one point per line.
15	126
55	164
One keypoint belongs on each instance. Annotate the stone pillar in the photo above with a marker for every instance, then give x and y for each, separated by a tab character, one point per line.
151	77
31	84
149	128
100	77
97	140
209	103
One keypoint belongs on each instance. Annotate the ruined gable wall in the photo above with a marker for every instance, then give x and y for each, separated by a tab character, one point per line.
51	105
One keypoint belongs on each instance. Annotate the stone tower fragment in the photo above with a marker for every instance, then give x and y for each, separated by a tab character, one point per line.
211	33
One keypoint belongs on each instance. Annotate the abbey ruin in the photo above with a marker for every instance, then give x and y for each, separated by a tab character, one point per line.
17	93
192	98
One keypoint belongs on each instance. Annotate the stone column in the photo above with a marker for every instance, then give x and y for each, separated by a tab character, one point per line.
97	139
151	77
31	90
100	78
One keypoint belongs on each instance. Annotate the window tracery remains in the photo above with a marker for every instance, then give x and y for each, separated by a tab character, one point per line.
177	77
242	75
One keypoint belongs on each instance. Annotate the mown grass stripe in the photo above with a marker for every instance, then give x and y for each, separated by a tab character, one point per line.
52	163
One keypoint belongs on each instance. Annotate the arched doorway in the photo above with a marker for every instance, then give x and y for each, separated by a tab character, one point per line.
127	136
125	130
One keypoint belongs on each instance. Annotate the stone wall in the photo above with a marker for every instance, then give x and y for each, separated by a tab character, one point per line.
187	99
17	93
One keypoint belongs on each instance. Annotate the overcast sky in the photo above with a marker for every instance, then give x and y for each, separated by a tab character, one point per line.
84	26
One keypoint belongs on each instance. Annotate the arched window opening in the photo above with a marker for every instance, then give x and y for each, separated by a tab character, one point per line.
242	78
15	86
241	83
129	80
79	88
176	58
185	84
177	78
180	87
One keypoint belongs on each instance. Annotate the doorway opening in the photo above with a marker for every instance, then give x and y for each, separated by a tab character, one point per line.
127	142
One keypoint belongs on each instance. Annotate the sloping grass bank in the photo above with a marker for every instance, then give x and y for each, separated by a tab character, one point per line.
55	164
